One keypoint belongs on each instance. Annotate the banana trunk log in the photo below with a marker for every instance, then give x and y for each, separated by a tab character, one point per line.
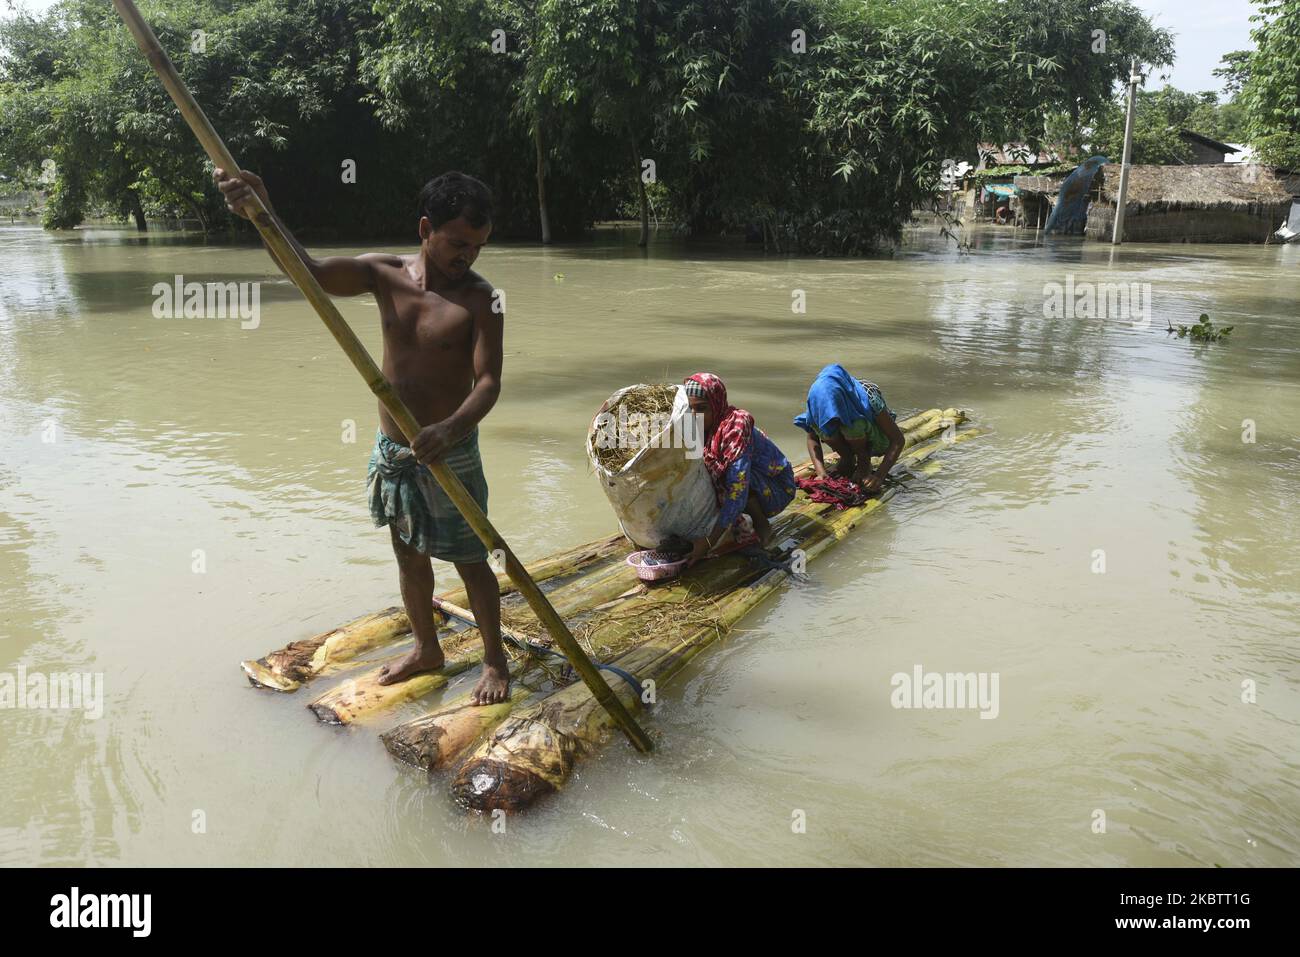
435	740
533	752
299	662
363	696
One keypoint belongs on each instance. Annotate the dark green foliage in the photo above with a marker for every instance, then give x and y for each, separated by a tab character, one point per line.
824	148
1270	83
1158	118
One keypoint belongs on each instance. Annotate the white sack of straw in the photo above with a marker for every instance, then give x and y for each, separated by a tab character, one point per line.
664	489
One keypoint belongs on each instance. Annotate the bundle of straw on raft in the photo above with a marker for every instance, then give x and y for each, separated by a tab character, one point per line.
436	739
642	407
533	752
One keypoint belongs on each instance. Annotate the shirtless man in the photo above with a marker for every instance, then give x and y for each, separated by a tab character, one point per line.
442	354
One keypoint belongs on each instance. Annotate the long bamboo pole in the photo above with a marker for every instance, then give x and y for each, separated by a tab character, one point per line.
275	239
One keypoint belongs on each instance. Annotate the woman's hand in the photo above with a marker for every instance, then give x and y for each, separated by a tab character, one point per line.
873	484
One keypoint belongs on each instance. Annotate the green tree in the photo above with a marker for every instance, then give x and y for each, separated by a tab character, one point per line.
278	78
1158	115
517	76
600	58
1270	90
1092	42
819	124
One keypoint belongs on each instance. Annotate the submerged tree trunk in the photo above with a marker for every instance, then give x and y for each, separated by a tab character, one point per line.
640	182
541	184
137	212
198	213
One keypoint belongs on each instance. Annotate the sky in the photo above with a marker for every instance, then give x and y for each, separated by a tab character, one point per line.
1203	31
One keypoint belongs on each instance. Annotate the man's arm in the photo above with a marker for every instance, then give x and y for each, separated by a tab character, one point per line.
337	275
435	439
488	336
817	455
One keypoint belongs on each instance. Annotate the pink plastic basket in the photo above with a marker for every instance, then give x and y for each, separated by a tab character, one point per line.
654	573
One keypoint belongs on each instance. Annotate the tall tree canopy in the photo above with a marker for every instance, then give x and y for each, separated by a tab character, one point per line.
1158	117
820	123
1269	79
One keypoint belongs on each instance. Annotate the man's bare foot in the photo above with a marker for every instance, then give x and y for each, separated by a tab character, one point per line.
418	661
494	686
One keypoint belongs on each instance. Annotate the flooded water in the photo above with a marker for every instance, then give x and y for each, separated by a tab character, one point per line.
1119	547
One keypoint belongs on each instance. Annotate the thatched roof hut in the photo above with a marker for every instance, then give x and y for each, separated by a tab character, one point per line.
1047	184
1213	203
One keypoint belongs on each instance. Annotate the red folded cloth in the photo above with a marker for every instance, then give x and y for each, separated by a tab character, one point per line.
840	492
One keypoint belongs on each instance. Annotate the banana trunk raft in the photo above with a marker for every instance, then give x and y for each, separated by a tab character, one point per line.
510	754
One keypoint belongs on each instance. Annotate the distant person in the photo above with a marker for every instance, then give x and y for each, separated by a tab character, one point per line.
750	474
442	355
850	415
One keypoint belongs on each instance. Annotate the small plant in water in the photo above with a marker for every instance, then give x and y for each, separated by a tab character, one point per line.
1202	331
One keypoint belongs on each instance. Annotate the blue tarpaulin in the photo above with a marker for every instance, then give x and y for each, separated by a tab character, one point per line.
1070	214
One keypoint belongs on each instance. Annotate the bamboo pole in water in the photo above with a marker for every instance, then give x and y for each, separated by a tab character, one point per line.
275	239
532	753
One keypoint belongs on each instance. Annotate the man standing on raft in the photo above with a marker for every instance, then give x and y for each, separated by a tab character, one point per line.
442	355
850	415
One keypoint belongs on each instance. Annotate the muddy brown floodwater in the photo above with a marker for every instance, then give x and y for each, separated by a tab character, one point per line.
1176	467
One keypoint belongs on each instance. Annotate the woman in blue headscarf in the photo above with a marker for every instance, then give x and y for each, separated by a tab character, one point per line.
850	415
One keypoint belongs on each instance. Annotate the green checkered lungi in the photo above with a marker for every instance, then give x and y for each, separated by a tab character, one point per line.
404	494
